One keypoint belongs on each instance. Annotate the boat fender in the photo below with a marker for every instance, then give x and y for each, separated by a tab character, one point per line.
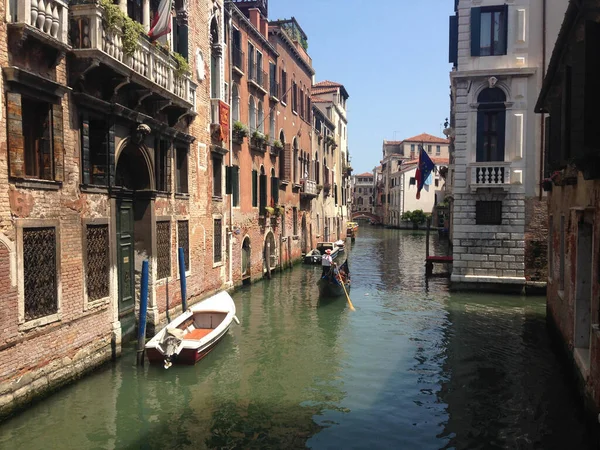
236	320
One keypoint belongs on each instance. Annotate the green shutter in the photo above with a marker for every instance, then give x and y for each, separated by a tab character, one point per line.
263	194
254	188
453	41
16	141
235	182
475	31
228	180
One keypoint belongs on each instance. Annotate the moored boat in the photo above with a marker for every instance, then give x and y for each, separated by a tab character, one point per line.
331	286
192	335
352	229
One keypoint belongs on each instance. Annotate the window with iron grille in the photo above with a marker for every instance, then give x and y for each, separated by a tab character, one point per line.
488	213
183	239
97	270
182	170
39	272
163	249
218	239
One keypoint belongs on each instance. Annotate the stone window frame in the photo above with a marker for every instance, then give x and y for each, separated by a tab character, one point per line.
222	262
161	281
22	224
87	304
177	219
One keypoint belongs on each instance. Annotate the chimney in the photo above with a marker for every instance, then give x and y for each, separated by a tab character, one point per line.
254	17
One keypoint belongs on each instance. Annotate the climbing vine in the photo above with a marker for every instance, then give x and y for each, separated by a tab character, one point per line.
183	67
115	18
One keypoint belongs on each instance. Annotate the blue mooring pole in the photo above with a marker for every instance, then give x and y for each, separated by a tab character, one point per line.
182	280
143	312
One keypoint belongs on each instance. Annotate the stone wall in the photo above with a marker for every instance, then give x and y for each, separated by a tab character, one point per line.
536	239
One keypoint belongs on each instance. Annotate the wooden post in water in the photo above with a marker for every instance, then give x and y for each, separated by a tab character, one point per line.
428	264
143	311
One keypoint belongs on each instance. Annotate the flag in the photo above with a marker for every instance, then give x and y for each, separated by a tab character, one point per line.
161	24
424	169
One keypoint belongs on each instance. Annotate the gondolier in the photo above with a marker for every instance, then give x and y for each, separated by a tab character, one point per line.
326	262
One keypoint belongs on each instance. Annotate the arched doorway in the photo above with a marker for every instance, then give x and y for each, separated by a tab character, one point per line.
270	250
134	226
246	259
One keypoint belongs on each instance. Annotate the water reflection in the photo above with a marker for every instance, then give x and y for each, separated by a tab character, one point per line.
413	367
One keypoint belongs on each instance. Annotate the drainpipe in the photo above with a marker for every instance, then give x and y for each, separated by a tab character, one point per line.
230	233
543	121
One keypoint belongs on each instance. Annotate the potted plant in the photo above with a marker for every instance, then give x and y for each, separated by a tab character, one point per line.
277	144
258	141
240	131
279	210
270	210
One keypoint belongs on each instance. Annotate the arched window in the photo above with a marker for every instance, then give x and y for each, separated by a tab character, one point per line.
252	114
261	118
317	172
295	162
235	107
215	60
272	126
491	124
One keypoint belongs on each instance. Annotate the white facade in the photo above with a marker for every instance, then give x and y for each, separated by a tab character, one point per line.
362	193
495	175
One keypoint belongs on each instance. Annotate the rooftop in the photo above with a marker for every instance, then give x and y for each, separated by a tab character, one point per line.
427	139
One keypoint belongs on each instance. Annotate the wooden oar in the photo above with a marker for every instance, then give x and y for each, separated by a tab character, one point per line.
346	292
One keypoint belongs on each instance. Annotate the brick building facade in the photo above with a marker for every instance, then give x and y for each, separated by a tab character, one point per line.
569	105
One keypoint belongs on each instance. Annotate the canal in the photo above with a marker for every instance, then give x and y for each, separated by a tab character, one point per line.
414	367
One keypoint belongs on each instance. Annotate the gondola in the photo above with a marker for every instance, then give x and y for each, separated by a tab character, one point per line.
330	285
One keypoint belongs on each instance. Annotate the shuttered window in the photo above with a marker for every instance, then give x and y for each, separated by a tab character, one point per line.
182	170
95	161
263	193
35	138
275	190
163	166
489	31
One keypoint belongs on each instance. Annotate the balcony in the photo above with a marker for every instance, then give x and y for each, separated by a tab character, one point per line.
257	77
309	188
149	66
489	175
45	20
238	60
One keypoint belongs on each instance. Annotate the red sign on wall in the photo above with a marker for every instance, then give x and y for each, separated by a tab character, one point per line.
224	120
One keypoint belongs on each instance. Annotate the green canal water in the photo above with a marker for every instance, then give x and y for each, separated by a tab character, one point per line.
414	367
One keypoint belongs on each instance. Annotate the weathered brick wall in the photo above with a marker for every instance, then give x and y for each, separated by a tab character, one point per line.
536	239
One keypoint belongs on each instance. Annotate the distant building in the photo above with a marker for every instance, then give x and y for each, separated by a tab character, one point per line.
362	198
399	165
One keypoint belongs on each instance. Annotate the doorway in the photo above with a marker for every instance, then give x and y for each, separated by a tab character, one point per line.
246	259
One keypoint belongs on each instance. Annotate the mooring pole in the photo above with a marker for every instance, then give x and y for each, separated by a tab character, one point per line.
182	280
268	259
427	238
143	312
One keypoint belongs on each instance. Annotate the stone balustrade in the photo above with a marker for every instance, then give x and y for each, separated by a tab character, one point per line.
150	61
490	174
309	187
50	17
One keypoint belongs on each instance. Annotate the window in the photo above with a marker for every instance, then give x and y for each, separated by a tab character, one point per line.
163	249
37	137
183	241
217	240
251	66
261	118
182	170
429	149
294	96
232	184
491	120
412	151
252	114
273	80
95	151
274	188
283	86
489	31
217	176
235	102
272	125
413	181
437	182
180	38
438	150
254	188
259	68
40	272
97	265
163	166
488	213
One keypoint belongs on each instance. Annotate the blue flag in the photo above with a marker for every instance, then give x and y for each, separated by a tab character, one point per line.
424	169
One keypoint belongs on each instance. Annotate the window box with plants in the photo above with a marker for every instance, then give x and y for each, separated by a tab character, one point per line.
276	147
258	141
330	142
240	131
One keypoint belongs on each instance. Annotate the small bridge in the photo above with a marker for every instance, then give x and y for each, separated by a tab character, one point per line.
365	215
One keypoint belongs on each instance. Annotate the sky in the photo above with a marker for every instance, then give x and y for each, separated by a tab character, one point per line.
392	57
